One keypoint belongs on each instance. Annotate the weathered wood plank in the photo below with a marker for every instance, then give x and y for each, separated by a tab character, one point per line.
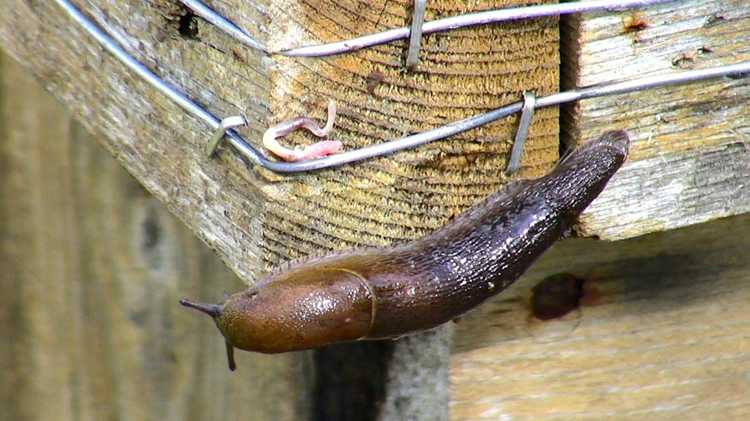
661	333
92	268
247	215
690	158
255	219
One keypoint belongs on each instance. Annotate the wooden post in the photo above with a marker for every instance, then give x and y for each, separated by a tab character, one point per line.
255	219
92	268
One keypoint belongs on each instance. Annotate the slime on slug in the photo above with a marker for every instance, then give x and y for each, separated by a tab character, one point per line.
387	292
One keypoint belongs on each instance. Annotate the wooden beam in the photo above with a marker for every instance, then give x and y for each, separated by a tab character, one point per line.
661	332
690	159
255	219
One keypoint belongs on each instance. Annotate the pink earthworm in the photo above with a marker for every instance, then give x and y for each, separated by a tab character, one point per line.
316	150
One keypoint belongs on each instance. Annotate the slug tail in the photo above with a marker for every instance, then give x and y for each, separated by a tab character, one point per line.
618	140
213	310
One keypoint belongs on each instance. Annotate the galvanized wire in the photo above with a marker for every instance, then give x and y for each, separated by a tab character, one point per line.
245	149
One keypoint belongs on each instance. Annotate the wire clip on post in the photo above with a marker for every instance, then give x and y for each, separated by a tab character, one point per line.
225	124
250	153
415	34
524	123
440	25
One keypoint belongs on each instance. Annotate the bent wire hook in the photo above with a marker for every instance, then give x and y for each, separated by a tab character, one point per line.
431	27
411	141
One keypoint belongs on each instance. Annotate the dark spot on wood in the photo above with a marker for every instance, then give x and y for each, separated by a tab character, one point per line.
634	22
738	76
705	50
706	105
350	380
188	26
373	80
160	36
237	54
685	60
714	19
138	317
501	311
556	296
151	231
662	118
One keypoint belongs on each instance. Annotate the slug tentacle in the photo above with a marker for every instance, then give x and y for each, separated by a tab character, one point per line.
213	310
375	293
230	355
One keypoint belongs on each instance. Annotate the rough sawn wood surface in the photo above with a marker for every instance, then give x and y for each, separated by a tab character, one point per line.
255	219
690	159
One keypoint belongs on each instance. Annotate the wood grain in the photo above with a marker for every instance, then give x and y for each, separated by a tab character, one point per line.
92	268
690	160
409	194
661	333
255	219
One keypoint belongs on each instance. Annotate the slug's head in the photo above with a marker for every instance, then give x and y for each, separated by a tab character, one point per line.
299	309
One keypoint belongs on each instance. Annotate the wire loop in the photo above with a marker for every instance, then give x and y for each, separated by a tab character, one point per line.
247	151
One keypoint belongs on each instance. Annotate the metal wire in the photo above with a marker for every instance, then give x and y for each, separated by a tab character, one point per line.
219	21
241	145
172	93
439	25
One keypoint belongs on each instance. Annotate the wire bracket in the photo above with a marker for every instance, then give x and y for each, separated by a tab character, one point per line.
248	152
524	123
225	124
415	34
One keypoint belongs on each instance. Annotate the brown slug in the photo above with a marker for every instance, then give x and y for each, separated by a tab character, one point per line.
388	292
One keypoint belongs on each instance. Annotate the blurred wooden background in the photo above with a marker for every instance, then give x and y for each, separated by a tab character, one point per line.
91	268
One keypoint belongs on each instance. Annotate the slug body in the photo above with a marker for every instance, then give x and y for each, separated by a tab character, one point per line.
389	292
